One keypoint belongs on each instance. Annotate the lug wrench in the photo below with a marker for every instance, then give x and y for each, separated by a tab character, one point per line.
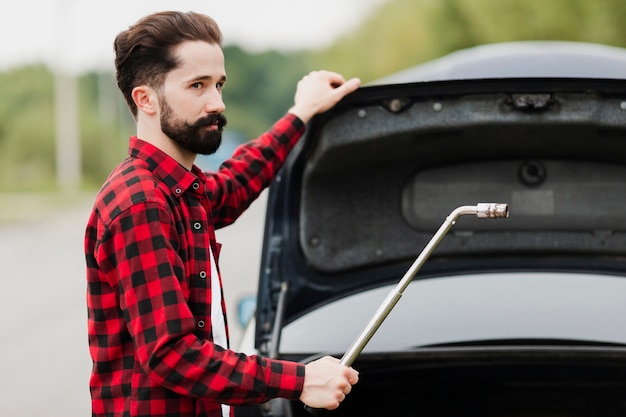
481	210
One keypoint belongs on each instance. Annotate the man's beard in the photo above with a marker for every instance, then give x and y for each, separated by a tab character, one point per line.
194	138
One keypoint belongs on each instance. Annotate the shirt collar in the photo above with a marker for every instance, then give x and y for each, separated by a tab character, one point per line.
173	174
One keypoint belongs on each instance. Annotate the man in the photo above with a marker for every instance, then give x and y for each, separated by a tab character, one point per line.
157	332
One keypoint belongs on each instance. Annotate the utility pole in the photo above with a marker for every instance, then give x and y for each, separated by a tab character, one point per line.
68	150
68	167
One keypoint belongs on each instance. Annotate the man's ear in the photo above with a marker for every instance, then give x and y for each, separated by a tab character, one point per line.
146	99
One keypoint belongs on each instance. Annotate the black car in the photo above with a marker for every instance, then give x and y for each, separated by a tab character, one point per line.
519	316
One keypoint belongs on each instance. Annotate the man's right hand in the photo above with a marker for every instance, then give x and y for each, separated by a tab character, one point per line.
327	382
318	91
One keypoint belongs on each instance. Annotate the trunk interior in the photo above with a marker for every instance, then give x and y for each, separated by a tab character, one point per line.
531	385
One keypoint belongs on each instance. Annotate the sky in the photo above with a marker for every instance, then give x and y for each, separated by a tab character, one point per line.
77	35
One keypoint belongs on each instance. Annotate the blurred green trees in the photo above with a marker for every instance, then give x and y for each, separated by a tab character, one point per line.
402	33
260	87
259	91
26	128
405	33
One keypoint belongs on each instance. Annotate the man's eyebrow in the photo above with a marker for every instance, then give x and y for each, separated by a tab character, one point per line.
207	78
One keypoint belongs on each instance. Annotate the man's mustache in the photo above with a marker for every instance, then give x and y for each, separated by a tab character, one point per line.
214	118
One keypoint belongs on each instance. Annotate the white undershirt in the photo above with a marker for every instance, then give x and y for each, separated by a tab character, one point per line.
218	324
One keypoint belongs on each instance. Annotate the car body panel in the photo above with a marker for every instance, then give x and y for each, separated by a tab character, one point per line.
522	59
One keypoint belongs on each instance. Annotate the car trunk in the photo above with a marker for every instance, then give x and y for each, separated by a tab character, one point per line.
497	381
374	178
512	381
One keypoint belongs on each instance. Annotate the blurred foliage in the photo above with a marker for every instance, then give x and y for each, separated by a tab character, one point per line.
259	91
105	126
26	128
404	33
400	34
260	87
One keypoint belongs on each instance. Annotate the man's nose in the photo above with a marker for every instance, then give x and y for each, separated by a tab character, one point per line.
215	103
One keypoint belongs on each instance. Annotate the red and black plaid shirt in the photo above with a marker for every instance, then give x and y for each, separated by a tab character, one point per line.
149	293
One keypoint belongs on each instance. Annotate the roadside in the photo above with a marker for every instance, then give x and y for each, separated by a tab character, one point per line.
44	350
20	207
42	298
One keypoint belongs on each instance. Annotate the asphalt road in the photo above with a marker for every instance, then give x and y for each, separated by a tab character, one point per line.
44	358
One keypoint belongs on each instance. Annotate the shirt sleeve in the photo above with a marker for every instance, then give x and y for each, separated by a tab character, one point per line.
253	166
153	299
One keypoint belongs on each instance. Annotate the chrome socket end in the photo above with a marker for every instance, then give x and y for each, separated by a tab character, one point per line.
492	210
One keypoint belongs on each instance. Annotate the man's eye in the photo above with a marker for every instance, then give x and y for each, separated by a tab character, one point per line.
219	86
196	85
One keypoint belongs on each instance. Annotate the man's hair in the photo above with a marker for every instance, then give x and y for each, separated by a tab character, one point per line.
144	53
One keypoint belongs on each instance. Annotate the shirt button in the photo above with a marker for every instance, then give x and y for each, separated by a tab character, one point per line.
203	274
178	191
200	323
195	185
197	225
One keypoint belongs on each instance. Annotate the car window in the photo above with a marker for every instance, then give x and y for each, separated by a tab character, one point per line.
471	308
